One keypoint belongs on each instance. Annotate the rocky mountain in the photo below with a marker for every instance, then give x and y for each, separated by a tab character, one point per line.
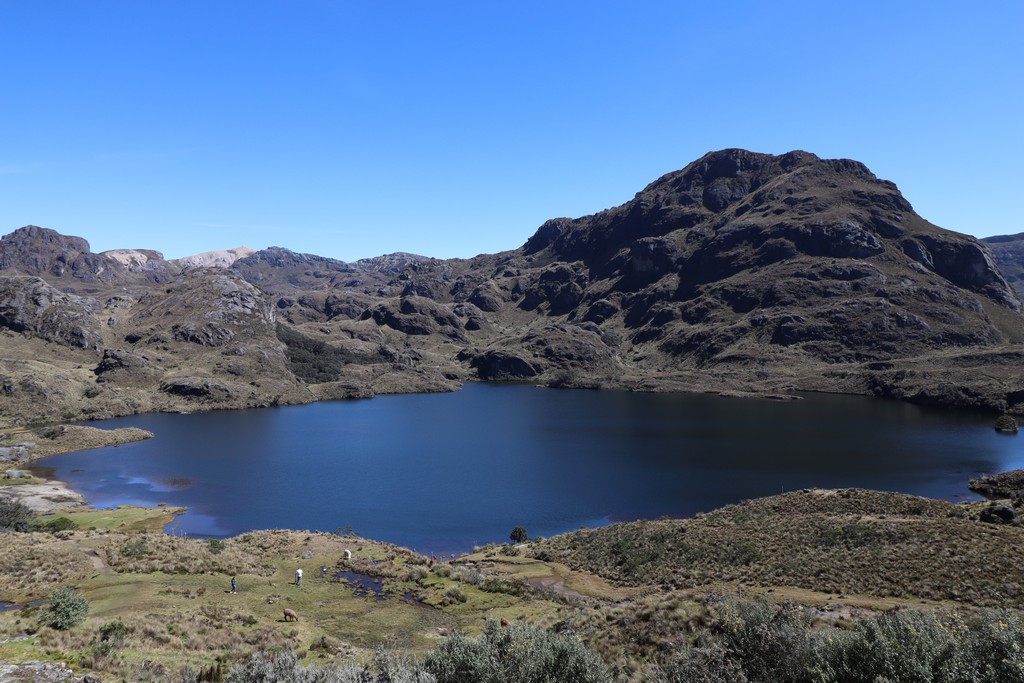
743	272
1009	254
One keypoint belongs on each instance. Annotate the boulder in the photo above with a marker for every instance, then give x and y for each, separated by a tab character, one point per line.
1006	424
13	453
998	514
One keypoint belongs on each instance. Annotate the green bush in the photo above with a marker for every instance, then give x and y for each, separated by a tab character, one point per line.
14	515
283	666
56	524
772	643
519	535
711	664
992	647
66	608
900	647
764	642
312	360
517	653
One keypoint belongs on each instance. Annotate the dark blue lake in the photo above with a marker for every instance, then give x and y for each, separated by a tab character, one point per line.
442	472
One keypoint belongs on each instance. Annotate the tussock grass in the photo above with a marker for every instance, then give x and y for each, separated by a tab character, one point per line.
33	564
145	553
848	541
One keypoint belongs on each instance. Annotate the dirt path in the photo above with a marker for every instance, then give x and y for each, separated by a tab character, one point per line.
94	557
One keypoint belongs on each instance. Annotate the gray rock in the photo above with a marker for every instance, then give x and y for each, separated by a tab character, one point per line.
998	514
13	454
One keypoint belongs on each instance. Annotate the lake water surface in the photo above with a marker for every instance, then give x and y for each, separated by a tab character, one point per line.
442	472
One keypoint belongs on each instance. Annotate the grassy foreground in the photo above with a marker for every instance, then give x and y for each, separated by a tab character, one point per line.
633	593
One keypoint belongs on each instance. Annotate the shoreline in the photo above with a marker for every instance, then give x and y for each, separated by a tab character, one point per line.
47	494
50	494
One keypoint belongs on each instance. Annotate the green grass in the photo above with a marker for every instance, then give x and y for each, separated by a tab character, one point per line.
189	613
122	518
629	590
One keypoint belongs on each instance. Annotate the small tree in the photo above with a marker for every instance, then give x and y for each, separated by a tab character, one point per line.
519	535
66	609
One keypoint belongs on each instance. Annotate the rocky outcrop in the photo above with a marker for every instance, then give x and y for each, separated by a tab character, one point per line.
222	258
548	349
417	316
205	307
1008	251
136	260
31	306
1006	424
998	514
1004	485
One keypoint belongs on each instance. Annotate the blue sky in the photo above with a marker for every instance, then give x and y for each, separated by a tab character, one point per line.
456	128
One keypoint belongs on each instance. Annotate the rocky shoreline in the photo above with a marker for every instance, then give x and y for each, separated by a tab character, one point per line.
50	495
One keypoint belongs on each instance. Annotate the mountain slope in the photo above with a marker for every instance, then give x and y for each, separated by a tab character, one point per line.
1009	254
742	272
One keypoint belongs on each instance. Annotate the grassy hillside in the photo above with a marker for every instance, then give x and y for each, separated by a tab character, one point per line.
843	542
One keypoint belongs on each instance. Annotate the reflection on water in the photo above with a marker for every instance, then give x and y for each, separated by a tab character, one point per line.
442	472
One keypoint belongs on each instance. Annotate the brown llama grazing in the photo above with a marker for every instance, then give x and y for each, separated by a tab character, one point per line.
290	615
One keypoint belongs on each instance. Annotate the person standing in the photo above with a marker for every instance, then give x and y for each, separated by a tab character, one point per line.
298	577
234	586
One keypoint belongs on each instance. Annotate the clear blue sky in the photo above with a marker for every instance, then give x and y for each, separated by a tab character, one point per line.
351	129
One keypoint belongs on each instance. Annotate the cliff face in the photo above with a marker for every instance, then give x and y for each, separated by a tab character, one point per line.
742	272
1009	254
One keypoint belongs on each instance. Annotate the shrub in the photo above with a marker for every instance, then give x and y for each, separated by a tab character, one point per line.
454	594
65	610
772	642
519	653
57	524
416	574
519	535
111	637
114	632
312	360
711	664
468	575
283	666
14	515
900	647
991	647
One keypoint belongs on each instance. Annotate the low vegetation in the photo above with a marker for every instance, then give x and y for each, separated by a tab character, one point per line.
836	542
314	361
516	653
735	595
760	641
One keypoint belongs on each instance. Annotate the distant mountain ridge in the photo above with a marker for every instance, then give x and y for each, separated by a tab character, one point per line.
743	272
1009	254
